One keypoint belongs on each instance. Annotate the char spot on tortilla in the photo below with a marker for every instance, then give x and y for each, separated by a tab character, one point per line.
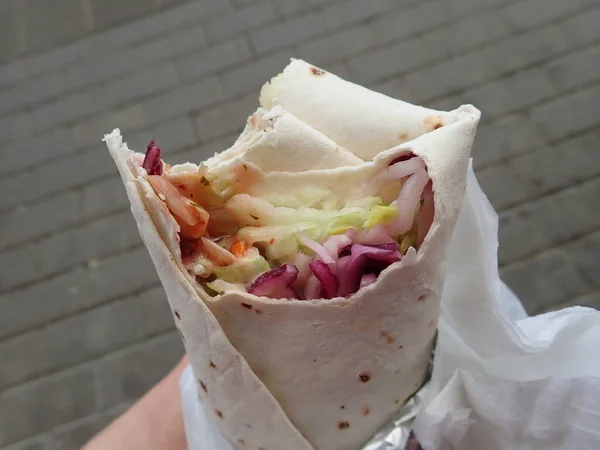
258	311
401	346
219	413
403	137
317	72
241	442
365	410
203	386
397	402
422	297
177	314
246	305
364	377
433	122
343	425
213	365
387	336
342	407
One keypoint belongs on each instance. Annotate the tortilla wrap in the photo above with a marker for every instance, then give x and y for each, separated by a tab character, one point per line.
314	374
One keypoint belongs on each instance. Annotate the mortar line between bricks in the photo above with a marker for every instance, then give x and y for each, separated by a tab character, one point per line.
47	277
91	182
478	48
56	373
557	245
134	293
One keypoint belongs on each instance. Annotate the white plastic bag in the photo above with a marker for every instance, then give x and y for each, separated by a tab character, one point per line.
501	380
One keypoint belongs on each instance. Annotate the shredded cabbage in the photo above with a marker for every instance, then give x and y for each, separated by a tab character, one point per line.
279	242
221	286
381	215
243	270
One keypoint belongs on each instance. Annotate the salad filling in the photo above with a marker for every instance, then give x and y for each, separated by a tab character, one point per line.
237	242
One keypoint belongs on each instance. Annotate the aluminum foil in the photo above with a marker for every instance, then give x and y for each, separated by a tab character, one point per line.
397	434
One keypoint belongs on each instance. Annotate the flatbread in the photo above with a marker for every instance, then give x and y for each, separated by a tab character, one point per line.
318	374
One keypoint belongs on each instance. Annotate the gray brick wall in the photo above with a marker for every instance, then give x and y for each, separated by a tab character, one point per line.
81	337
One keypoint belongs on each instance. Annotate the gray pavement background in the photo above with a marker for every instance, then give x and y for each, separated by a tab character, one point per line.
84	326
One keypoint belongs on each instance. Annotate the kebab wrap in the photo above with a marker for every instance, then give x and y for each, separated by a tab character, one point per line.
304	265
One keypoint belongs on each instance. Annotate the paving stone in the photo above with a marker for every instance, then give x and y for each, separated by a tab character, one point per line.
253	16
30	151
287	32
45	404
225	118
581	28
503	139
80	338
76	291
529	175
212	59
582	113
74	435
531	13
45	22
510	94
552	220
35	443
131	373
109	12
576	69
547	280
344	13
